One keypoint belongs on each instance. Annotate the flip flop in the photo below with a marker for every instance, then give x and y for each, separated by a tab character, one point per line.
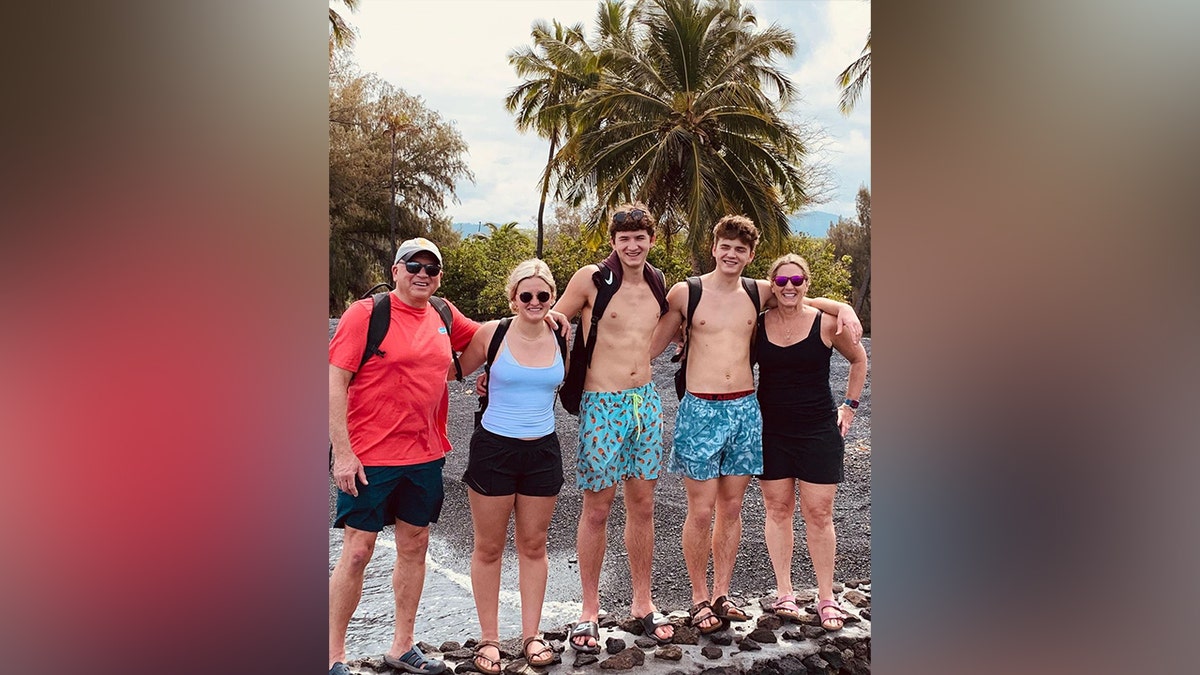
544	650
786	607
652	622
698	609
725	609
585	629
413	661
828	610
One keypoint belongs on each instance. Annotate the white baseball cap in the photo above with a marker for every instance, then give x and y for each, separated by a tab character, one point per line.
413	246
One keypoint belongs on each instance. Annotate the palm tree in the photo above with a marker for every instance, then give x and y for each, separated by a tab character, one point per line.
854	78
557	68
341	34
682	120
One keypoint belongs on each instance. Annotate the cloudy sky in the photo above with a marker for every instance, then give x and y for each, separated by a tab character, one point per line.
452	53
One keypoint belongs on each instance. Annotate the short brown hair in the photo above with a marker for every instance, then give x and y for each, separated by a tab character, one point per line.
736	227
644	221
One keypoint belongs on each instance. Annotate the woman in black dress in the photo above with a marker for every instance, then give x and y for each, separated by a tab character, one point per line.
802	431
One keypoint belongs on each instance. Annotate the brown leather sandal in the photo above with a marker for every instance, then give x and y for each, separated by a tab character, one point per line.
494	667
701	612
531	656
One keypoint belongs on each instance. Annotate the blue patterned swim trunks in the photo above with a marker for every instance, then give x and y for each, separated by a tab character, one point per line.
717	438
620	437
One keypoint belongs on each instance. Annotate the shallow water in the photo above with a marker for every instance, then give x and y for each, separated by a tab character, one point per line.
447	609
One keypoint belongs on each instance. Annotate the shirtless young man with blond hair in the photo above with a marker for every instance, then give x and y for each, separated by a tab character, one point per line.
718	429
620	424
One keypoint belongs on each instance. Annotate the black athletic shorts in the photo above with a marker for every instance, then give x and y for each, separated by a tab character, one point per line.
410	493
814	455
500	466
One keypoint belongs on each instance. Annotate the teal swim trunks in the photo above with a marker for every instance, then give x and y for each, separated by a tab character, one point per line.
717	438
620	437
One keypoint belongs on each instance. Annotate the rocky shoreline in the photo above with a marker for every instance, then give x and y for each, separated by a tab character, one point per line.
753	580
763	645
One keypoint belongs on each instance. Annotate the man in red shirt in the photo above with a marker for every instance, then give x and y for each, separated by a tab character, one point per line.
387	422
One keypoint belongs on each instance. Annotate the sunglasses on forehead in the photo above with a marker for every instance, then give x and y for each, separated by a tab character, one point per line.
525	297
796	280
633	216
414	267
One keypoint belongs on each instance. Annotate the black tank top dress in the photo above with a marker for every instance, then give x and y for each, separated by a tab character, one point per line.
800	433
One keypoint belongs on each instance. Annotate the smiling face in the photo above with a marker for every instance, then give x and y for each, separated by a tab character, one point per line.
789	295
535	308
632	246
416	288
731	256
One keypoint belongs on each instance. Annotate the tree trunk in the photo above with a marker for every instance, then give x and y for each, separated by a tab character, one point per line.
545	189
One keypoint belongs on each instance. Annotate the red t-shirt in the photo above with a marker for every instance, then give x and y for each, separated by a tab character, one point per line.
398	403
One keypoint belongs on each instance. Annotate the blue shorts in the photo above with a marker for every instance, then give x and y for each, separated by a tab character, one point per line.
620	437
717	438
410	493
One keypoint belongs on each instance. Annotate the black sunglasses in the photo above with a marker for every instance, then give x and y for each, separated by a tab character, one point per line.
633	216
796	280
525	297
414	267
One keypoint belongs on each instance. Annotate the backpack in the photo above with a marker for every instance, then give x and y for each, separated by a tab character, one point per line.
494	348
571	392
381	319
377	328
694	291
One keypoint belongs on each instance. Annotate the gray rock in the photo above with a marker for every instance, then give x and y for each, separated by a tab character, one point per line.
833	656
812	632
816	665
761	635
614	645
722	638
557	634
686	635
770	622
793	635
645	642
749	645
711	653
669	653
584	660
458	654
632	626
838	587
449	646
857	598
625	660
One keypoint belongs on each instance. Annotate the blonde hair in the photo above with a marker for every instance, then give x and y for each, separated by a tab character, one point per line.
533	268
785	259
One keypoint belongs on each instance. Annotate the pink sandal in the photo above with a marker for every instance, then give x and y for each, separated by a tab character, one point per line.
828	610
786	607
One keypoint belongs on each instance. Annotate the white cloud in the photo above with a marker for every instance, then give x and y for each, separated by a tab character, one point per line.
452	53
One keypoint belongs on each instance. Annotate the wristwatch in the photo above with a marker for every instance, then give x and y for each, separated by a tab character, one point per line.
852	403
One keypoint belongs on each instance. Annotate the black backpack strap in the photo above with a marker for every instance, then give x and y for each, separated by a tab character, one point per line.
658	286
606	288
443	309
494	345
562	344
493	349
694	290
751	287
381	318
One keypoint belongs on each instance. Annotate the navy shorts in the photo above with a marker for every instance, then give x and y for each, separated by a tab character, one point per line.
411	493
